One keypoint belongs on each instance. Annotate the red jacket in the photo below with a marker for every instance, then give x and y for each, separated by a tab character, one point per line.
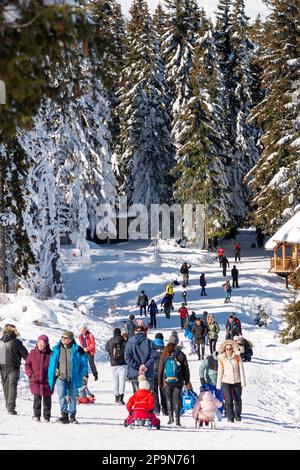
90	342
183	312
36	368
142	400
220	251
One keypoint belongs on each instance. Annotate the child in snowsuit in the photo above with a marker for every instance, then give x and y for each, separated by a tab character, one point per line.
206	407
85	396
141	405
228	290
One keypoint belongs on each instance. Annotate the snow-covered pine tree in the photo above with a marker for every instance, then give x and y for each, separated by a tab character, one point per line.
275	179
181	33
145	156
200	170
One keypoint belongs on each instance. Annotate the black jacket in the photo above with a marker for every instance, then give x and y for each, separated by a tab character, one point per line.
184	371
12	350
225	262
199	332
143	300
117	340
185	269
235	273
202	281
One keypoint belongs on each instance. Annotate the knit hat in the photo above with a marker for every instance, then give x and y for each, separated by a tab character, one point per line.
173	340
68	334
44	338
143	383
117	332
131	317
159	336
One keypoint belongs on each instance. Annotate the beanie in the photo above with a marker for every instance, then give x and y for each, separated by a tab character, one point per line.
159	336
173	340
44	338
117	332
131	317
68	334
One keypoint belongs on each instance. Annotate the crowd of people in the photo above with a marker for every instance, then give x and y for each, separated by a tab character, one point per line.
158	370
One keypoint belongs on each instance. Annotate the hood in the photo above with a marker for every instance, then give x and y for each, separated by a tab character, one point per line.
232	343
8	336
207	396
212	317
46	351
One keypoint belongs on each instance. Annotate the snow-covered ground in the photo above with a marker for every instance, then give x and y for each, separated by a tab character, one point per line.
111	281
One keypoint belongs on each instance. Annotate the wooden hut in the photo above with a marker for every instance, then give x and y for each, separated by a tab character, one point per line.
285	245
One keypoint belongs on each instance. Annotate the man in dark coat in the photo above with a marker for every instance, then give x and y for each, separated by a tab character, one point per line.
130	326
184	270
115	347
232	328
140	356
224	263
36	368
199	331
159	392
12	351
152	309
142	303
235	276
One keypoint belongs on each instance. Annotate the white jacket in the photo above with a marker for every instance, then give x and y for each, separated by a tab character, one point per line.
230	371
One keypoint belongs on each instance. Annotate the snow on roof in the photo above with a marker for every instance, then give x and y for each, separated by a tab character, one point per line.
289	232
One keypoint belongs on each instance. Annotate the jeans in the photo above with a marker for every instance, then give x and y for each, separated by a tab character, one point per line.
119	376
160	398
182	322
235	283
192	344
203	292
141	310
64	390
212	345
153	319
201	356
233	400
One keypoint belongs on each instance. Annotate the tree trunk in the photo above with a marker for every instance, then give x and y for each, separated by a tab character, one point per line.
3	278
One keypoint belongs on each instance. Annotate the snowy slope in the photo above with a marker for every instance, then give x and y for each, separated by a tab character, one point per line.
271	416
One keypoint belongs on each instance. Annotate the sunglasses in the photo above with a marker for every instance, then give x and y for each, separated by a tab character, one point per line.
228	349
64	337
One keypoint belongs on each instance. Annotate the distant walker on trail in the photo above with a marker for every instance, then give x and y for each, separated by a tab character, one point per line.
142	302
184	270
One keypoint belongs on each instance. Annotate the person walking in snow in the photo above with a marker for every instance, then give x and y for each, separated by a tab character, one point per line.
225	264
203	284
130	326
231	378
220	254
152	309
68	366
170	293
235	276
260	237
212	332
142	303
159	392
199	332
115	347
237	251
184	270
88	344
184	294
228	290
232	328
36	369
183	314
188	332
12	351
173	373
140	356
166	303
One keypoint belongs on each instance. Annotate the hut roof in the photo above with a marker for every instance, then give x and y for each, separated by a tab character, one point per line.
289	233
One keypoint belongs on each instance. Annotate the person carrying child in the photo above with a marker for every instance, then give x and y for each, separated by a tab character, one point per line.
141	405
206	407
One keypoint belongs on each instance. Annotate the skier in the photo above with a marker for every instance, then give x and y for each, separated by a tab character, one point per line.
115	347
159	392
213	330
130	325
184	315
232	328
220	254
140	406
173	372
231	378
166	303
199	332
228	290
224	263
184	294
235	276
184	270
152	309
237	251
36	368
88	344
203	284
12	351
68	365
142	303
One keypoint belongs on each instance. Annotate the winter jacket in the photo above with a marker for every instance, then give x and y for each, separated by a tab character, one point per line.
152	309
185	269
166	301
235	274
212	329
237	248
208	370
130	327
88	341
227	288
159	347
36	368
141	400
199	332
183	312
140	350
220	252
188	330
202	281
142	300
79	365
206	407
230	370
184	371
232	330
169	289
111	348
225	262
12	350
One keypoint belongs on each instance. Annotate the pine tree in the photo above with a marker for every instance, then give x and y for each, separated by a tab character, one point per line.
145	155
274	180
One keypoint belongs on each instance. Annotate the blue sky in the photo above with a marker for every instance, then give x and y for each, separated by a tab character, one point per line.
253	7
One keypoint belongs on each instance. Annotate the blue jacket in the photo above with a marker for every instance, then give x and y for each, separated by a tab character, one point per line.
140	350
79	365
187	332
152	308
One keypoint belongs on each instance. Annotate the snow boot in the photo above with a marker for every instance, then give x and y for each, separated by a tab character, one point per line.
36	418
178	421
121	401
64	419
117	398
73	419
171	418
12	412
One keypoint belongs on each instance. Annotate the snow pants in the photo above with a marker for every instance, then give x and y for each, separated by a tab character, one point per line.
160	398
10	377
91	360
173	397
233	400
37	406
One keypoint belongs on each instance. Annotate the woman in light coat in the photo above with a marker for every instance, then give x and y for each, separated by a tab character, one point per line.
231	378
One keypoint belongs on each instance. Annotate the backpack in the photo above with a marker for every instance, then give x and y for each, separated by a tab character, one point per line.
171	369
117	350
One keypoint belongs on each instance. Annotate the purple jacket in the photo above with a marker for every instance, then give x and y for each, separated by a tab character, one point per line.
36	368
